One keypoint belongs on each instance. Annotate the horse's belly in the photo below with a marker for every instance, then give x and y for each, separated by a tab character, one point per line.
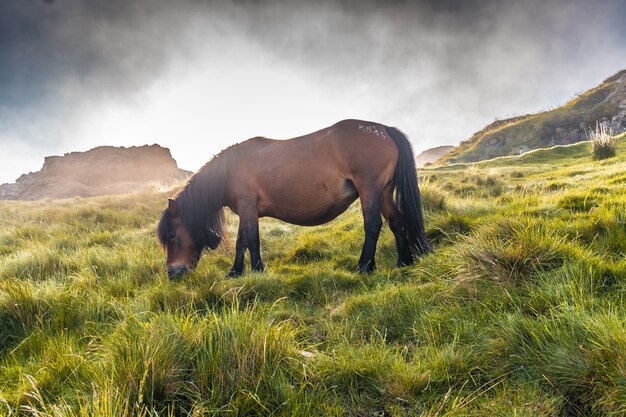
309	207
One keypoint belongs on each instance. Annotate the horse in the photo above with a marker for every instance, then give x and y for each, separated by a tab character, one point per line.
308	180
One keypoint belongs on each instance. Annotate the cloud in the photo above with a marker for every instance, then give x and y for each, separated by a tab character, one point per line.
198	75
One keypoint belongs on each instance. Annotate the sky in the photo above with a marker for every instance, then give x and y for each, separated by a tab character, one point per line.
196	76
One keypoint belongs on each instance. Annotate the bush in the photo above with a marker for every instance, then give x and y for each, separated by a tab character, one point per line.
448	227
310	250
603	144
578	202
512	253
432	199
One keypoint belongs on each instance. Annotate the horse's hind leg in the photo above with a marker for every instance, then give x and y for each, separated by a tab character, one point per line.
370	204
240	252
394	219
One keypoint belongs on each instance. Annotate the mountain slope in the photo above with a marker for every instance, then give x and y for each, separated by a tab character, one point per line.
431	155
564	125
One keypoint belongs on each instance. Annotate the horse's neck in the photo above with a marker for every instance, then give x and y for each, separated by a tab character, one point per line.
208	187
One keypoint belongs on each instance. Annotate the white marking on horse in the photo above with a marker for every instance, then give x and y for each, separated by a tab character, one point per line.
373	129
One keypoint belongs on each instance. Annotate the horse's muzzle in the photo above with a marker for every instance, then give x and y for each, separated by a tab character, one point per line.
176	271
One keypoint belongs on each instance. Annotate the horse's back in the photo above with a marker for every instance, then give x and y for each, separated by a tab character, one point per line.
365	147
352	148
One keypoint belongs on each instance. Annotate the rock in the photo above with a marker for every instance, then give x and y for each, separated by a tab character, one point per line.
99	171
521	150
8	192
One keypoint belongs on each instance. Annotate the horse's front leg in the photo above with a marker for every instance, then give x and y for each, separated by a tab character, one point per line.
240	252
372	222
249	220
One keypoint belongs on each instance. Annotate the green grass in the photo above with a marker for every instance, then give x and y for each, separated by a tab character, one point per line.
520	310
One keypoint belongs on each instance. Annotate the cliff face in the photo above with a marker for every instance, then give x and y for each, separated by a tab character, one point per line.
99	171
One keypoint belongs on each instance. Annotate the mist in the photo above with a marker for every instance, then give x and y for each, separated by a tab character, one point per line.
197	76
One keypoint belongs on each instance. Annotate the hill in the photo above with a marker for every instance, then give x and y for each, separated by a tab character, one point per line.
431	155
99	171
564	125
520	309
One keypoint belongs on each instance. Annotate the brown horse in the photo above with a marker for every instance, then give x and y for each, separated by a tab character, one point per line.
308	180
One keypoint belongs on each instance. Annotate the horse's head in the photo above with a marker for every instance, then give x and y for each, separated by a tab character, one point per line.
182	252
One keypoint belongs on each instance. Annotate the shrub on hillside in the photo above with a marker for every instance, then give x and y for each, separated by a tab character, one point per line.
448	227
310	250
510	252
578	202
478	183
603	144
432	198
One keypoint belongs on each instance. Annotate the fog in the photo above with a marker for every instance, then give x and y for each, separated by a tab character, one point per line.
196	76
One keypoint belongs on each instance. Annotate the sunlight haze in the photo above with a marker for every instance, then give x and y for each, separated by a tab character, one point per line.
198	76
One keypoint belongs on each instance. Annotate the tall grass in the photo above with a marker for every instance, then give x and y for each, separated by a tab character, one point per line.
603	144
519	310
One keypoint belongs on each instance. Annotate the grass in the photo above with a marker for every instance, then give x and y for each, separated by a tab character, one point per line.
519	311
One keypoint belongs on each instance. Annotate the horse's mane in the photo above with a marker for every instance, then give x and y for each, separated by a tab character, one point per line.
200	203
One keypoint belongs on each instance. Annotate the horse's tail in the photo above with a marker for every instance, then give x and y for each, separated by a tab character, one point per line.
407	196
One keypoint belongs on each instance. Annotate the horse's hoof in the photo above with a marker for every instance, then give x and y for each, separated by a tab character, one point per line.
234	274
259	268
365	269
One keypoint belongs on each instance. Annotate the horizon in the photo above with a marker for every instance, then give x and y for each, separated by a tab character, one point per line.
79	75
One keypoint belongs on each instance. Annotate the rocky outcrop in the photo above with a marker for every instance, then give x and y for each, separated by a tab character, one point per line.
431	155
99	171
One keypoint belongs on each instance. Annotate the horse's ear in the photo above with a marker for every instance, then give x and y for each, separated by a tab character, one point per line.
171	205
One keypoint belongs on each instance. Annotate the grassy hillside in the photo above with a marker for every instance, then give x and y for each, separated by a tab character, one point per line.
521	309
563	125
